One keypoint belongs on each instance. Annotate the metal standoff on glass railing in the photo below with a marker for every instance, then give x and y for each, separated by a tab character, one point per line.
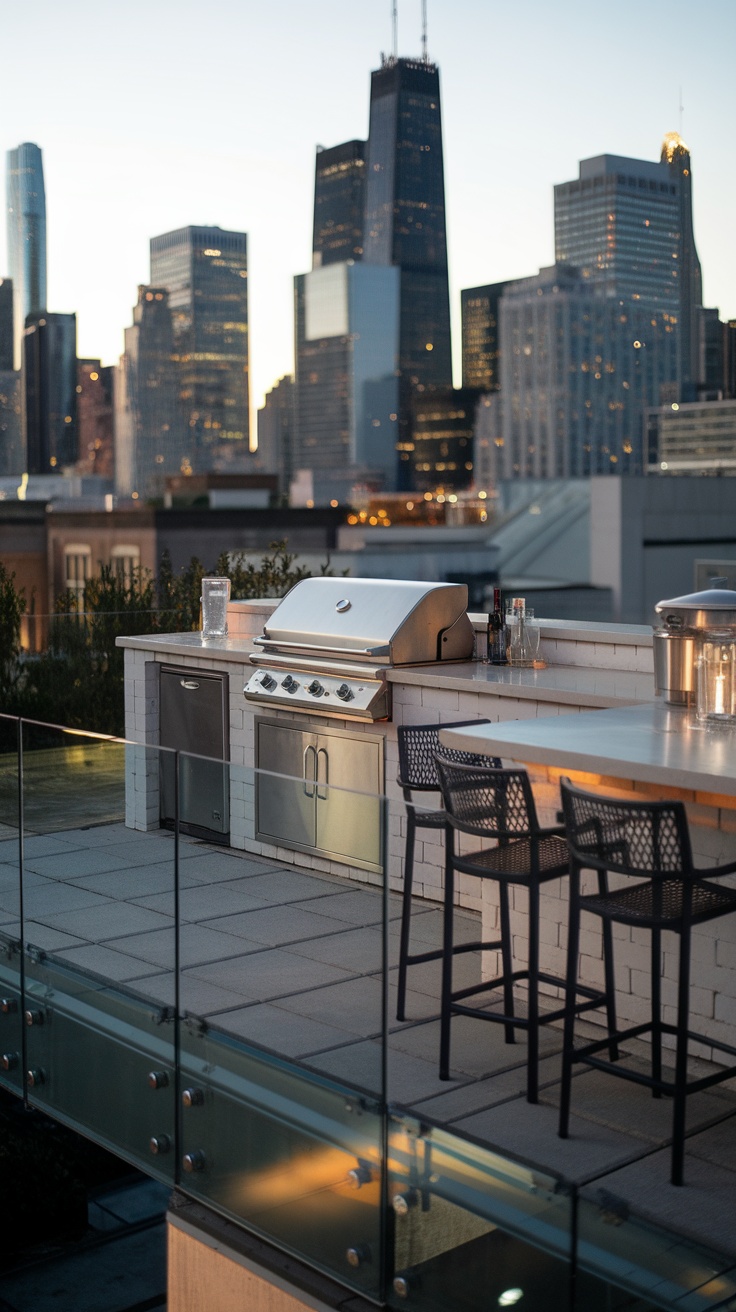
157	1080
403	1203
358	1255
10	1061
192	1097
35	1077
8	1006
33	1017
402	1284
159	1144
360	1175
195	1161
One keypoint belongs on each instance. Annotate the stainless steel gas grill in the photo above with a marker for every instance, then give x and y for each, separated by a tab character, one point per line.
329	643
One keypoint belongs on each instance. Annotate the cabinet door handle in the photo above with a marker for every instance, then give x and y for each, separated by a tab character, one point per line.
309	781
323	784
189	683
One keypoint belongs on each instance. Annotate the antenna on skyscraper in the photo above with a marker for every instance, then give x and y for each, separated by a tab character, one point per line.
424	32
395	29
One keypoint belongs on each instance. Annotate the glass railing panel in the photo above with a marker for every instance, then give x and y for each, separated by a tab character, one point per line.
621	1252
290	1155
473	1228
11	962
284	949
99	938
282	994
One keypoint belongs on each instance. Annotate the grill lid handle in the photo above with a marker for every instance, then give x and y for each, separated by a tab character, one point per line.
279	644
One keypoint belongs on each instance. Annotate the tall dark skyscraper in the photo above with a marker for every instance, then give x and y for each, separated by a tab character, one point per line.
26	215
49	389
405	225
205	272
339	203
481	348
627	225
6	324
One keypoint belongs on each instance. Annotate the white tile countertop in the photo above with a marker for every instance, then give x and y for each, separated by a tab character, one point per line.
653	743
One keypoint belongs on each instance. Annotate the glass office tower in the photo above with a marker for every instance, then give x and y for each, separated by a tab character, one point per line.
6	324
626	224
481	343
405	225
26	214
347	327
49	389
339	201
205	272
151	437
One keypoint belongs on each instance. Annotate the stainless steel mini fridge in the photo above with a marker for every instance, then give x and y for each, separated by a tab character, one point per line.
194	719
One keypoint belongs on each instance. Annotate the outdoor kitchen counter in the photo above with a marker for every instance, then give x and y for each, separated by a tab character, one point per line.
574	685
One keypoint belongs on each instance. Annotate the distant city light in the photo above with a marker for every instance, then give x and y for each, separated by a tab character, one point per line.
211	252
509	1297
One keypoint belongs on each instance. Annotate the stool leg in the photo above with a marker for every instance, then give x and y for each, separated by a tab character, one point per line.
571	979
507	959
411	829
609	979
683	1009
532	1068
447	946
656	972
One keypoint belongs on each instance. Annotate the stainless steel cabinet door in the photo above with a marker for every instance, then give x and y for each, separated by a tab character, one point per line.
286	784
348	806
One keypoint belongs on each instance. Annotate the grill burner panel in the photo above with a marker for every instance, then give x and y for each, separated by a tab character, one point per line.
328	694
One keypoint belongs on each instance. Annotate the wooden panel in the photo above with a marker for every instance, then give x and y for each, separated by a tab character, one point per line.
202	1278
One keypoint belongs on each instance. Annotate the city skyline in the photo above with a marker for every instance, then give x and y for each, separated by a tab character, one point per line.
525	98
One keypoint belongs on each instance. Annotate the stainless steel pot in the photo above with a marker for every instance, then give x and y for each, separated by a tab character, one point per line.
684	620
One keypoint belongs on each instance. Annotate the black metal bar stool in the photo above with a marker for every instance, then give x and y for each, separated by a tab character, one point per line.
418	746
497	806
649	842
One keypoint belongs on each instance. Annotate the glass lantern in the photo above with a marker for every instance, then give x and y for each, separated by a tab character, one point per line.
716	679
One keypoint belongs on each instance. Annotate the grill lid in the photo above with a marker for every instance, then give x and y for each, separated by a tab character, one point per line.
388	621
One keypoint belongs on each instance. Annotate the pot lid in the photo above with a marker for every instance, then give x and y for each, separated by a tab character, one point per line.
709	599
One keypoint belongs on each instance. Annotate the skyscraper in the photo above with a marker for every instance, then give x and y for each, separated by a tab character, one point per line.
151	437
95	440
480	336
49	391
626	224
6	324
205	272
347	326
339	203
405	224
578	370
26	213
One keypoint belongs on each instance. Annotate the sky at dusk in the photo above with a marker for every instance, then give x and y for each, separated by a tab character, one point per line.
153	115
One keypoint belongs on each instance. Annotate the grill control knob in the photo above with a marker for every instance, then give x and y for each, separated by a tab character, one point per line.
158	1080
32	1017
267	682
192	1097
159	1143
35	1078
315	688
289	683
9	1061
345	692
8	1006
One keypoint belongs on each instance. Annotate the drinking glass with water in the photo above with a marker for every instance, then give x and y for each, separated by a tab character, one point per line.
214	599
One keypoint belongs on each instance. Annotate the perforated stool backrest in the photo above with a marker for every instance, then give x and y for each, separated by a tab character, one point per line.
647	839
488	800
419	744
